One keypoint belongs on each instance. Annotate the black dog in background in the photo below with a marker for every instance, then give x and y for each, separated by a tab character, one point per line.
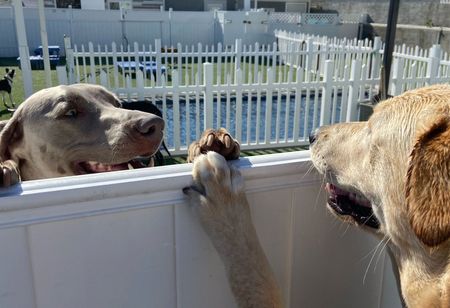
150	108
6	86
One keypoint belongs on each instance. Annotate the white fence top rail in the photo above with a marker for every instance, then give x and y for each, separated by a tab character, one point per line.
166	183
129	239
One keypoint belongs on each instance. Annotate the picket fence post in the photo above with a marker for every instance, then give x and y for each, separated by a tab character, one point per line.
69	60
397	76
158	61
237	56
353	92
376	64
310	53
92	78
115	67
325	109
140	84
433	64
176	110
104	79
62	74
238	118
269	93
208	99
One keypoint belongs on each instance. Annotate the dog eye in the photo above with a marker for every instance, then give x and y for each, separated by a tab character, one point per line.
72	113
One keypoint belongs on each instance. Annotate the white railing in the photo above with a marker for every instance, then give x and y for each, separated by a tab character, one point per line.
128	239
311	52
86	62
293	49
266	96
263	114
414	68
261	101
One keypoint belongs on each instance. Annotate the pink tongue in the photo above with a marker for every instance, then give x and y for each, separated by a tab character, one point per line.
335	190
98	167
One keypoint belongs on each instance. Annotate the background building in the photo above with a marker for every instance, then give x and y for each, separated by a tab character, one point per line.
299	6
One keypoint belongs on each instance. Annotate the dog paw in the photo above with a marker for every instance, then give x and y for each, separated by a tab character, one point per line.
217	196
219	141
9	173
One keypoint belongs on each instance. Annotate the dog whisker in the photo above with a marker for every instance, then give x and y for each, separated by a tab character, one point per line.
347	226
310	169
316	202
380	244
381	252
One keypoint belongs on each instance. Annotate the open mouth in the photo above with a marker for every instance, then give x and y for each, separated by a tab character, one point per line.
86	167
351	204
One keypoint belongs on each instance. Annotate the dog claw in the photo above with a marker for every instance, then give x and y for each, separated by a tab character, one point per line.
210	140
227	141
9	174
219	141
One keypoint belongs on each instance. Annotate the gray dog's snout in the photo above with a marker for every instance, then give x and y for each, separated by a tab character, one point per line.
150	125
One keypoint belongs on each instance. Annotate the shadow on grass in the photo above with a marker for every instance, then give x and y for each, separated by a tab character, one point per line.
4	113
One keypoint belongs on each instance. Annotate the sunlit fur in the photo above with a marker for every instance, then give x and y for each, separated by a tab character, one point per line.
218	197
400	161
56	127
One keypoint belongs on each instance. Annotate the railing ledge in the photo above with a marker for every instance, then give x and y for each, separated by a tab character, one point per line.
80	196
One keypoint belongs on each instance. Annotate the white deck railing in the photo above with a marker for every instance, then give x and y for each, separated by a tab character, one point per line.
128	239
261	101
266	96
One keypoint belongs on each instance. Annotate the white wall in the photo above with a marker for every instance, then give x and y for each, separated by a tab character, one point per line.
188	28
93	4
128	239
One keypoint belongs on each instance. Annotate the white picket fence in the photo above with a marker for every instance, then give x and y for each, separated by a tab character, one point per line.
311	52
266	96
260	114
414	68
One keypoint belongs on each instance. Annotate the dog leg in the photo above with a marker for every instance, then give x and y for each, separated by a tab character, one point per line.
219	141
218	197
4	102
11	100
3	99
9	173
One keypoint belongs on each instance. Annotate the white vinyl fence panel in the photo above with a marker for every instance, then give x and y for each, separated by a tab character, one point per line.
263	100
129	239
265	95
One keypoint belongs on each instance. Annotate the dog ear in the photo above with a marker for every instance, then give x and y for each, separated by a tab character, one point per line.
7	70
428	183
10	133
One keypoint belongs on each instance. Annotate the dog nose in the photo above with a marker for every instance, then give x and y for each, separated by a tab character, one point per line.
150	125
313	136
